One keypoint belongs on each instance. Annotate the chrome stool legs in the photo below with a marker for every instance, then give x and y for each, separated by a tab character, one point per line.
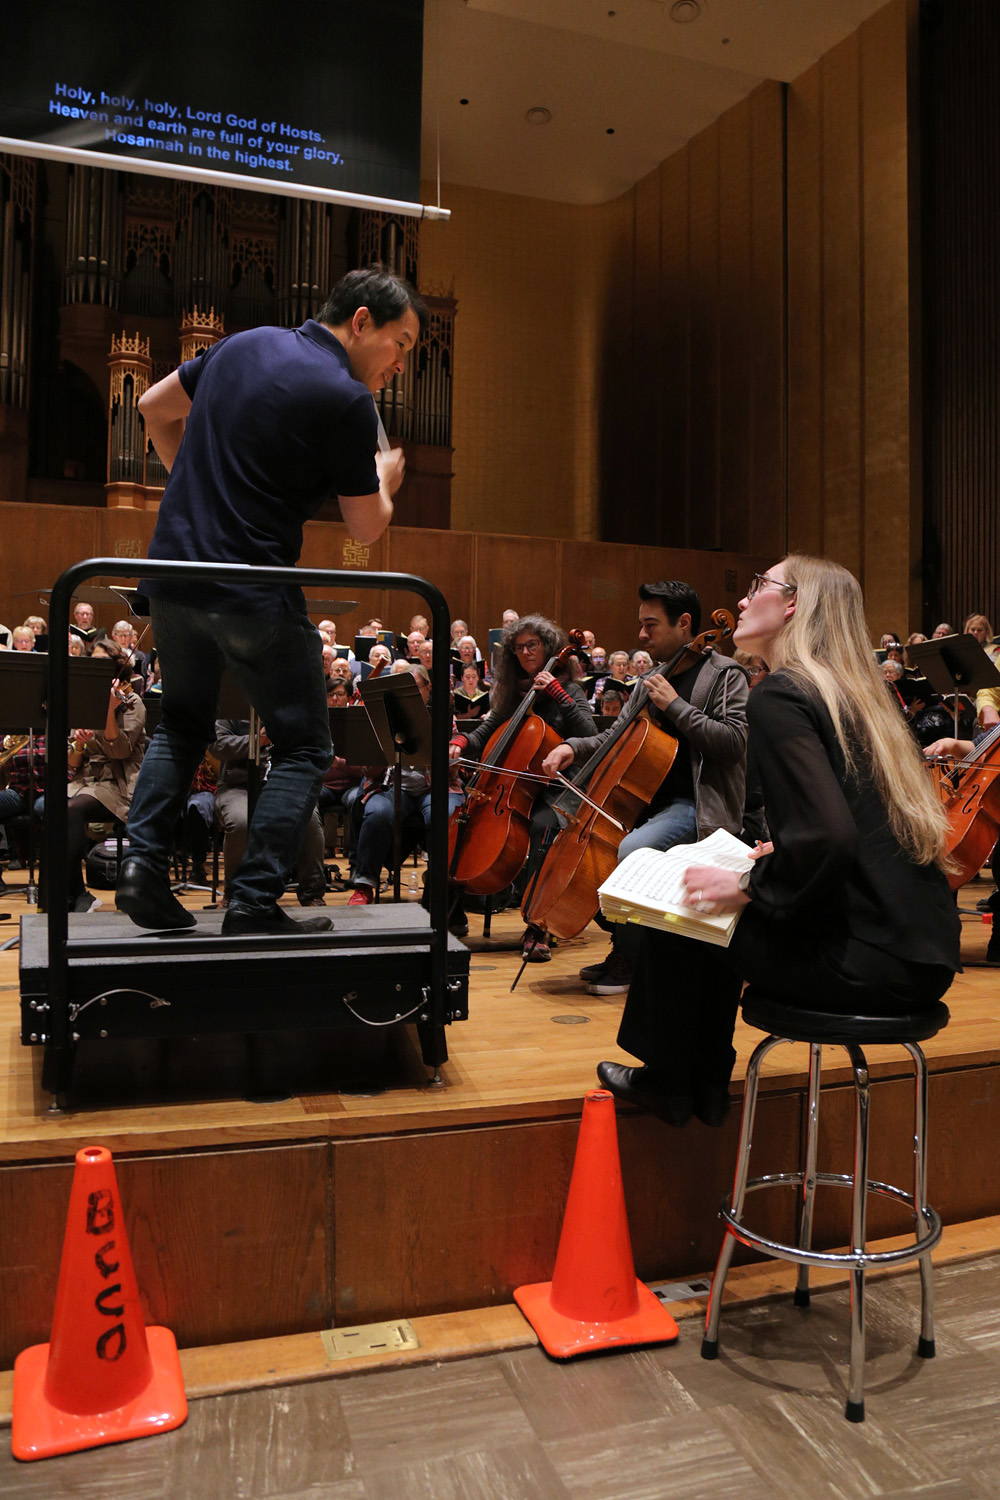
927	1223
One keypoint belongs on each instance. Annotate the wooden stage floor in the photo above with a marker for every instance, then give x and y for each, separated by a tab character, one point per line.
526	1055
383	1195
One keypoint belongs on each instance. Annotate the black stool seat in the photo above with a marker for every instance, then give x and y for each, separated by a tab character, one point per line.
797	1024
782	1023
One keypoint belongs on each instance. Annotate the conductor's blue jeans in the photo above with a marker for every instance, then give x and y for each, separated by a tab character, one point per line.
277	663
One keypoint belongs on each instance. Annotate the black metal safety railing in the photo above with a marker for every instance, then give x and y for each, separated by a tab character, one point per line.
57	731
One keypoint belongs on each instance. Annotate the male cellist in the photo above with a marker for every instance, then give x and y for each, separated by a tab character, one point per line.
704	706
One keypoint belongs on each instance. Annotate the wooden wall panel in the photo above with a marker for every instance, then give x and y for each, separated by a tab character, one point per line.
591	584
805	316
596	592
840	197
891	291
674	366
124	533
720	578
450	1219
854	489
703	455
326	544
765	310
647	341
963	1120
514	572
692	405
239	1222
672	1196
434	555
736	436
37	543
960	84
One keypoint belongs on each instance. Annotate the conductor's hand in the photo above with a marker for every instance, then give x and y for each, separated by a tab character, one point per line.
557	760
391	467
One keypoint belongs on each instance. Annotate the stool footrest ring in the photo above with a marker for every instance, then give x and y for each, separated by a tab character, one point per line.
780	1250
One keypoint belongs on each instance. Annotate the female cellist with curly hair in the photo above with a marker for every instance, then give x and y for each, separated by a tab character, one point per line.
848	909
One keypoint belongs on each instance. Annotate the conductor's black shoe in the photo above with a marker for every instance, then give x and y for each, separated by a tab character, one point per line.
275	922
639	1087
148	900
711	1103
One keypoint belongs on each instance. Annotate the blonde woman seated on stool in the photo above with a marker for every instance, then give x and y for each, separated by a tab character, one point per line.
848	908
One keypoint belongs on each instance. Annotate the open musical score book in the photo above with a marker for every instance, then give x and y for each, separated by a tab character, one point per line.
648	888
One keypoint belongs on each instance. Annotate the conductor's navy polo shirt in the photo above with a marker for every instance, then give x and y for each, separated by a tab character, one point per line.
277	425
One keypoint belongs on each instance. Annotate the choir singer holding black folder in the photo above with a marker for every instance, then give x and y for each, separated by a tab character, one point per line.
848	909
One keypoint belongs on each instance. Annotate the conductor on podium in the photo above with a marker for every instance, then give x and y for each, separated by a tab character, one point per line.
259	432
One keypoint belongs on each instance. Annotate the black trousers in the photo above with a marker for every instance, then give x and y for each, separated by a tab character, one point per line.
680	1012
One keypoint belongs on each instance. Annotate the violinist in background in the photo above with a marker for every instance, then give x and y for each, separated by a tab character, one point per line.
704	706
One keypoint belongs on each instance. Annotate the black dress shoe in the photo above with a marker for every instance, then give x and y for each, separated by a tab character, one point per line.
711	1103
148	899
274	923
637	1086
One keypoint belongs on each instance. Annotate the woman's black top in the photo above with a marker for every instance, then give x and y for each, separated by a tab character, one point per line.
837	868
565	718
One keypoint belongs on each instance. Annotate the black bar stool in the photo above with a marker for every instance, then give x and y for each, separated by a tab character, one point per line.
786	1023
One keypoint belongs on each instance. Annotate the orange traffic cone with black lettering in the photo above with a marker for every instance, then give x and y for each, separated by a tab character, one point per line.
104	1376
594	1300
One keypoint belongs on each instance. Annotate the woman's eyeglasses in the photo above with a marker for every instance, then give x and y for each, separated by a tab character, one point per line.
760	581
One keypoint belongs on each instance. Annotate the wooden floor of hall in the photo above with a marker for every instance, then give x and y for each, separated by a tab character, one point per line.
526	1055
763	1422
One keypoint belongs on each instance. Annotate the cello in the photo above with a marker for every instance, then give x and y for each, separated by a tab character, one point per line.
620	778
488	836
970	793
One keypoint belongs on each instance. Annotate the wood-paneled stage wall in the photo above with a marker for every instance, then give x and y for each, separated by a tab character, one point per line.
761	330
587	584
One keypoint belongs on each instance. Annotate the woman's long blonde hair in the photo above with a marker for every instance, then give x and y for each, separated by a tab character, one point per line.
825	646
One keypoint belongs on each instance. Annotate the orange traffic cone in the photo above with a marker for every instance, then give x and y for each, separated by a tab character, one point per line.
594	1300
104	1376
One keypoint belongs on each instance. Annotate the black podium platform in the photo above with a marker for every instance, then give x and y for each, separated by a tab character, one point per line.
374	967
105	978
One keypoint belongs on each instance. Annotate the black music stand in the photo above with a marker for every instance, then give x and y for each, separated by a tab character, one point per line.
355	741
402	727
955	664
354	738
23	691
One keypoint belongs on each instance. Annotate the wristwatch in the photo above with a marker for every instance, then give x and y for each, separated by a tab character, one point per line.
745	881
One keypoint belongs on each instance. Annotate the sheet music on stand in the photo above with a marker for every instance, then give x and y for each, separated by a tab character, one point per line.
955	665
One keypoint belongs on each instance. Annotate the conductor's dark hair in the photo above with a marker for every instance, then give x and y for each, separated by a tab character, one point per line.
676	598
386	296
